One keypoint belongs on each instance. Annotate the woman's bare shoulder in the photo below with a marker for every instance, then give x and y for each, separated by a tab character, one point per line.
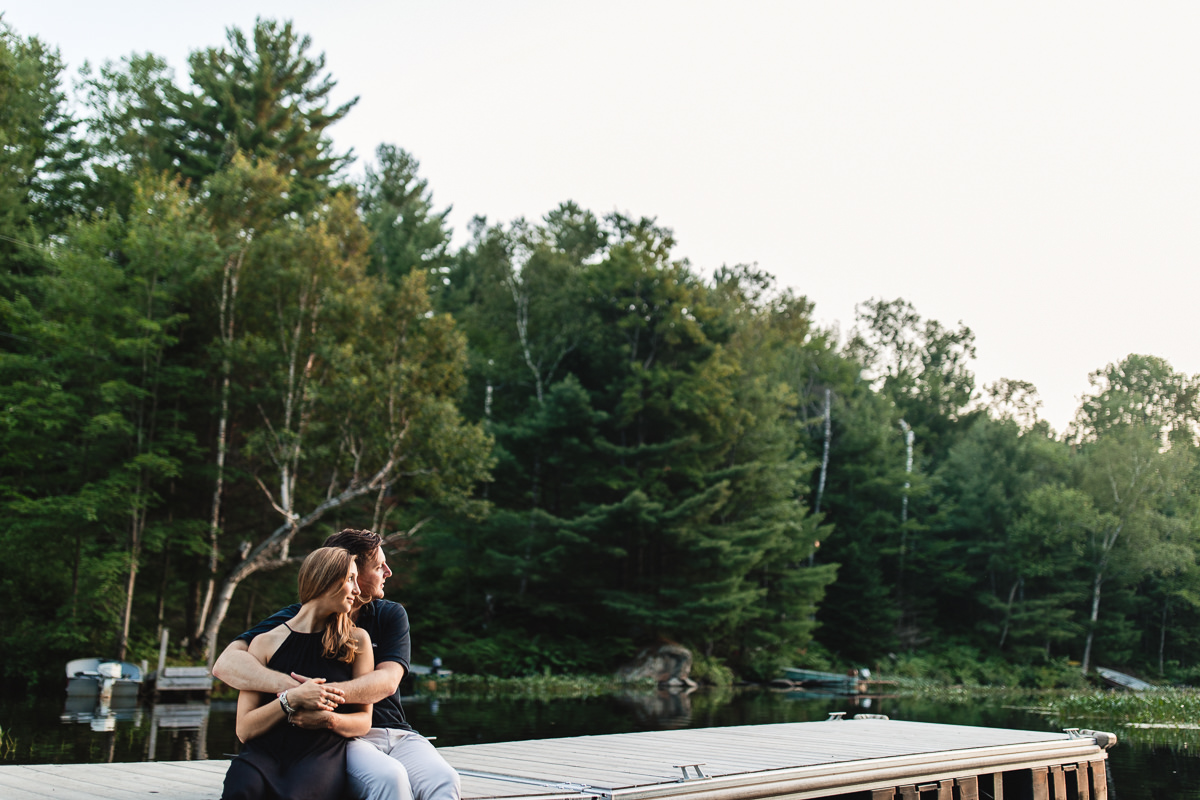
265	644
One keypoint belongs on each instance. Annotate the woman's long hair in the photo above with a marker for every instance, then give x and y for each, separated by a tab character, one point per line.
324	569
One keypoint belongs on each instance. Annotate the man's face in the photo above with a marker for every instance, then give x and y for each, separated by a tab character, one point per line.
372	576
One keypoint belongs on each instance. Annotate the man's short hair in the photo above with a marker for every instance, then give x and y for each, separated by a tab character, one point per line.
361	544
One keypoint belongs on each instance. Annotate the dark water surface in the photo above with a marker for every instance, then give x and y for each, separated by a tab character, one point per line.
1147	763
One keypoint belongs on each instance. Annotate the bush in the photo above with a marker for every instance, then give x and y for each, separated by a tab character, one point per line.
510	654
962	665
540	687
711	671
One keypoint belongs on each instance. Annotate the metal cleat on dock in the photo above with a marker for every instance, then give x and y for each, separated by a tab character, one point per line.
695	767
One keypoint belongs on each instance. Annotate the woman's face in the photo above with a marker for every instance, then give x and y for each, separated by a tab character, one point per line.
345	592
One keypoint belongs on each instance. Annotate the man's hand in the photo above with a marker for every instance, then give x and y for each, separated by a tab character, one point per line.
313	694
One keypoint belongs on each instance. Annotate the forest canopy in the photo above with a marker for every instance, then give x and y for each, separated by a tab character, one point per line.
221	340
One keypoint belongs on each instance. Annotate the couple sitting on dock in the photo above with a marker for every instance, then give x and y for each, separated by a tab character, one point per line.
319	688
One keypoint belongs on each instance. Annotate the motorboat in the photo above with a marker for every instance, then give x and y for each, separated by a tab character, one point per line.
103	679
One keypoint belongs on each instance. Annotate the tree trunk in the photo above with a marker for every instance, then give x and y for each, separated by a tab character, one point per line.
1162	636
824	455
220	609
227	308
144	426
75	572
162	593
1087	648
812	555
136	528
908	462
1012	593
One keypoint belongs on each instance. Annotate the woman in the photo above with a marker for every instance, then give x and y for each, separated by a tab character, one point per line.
280	760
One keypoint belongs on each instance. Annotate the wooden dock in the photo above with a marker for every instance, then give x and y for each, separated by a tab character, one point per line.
862	758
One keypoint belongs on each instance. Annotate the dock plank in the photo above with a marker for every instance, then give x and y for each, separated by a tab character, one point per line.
179	780
15	784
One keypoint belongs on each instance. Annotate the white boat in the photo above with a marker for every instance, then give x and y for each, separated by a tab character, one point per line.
103	678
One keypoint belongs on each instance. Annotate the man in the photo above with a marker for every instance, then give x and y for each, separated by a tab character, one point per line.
392	762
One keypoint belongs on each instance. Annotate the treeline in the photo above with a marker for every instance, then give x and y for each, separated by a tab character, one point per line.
216	347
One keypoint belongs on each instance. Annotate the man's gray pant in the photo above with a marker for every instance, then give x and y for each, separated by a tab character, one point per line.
392	764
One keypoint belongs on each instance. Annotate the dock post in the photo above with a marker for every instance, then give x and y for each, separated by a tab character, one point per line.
162	652
968	787
1040	783
1082	781
908	792
1058	780
883	794
1099	780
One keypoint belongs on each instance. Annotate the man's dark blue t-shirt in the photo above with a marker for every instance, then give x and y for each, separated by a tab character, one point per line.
386	623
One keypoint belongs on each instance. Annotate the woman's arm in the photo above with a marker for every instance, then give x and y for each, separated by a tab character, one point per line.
255	715
254	718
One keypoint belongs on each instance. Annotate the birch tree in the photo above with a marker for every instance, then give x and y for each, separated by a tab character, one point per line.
1128	478
353	396
242	203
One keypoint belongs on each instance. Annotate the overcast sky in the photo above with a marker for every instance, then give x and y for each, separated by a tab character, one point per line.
1029	168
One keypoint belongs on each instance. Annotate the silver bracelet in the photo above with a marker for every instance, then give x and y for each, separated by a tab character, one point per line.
285	705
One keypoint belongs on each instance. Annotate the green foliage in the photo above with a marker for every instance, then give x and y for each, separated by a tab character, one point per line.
994	475
640	431
1138	392
398	209
710	671
128	110
963	665
40	154
515	654
265	96
921	365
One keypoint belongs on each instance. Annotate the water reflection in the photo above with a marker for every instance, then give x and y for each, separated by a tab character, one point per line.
186	727
99	715
664	709
165	731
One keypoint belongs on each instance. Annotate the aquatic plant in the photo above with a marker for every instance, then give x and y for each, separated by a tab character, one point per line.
536	686
8	744
1162	706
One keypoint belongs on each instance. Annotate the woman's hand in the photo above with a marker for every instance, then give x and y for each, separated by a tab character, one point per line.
314	695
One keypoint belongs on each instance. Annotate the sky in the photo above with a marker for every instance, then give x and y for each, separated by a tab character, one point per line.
1030	169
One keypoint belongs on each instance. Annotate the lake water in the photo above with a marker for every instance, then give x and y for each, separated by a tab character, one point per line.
1158	763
